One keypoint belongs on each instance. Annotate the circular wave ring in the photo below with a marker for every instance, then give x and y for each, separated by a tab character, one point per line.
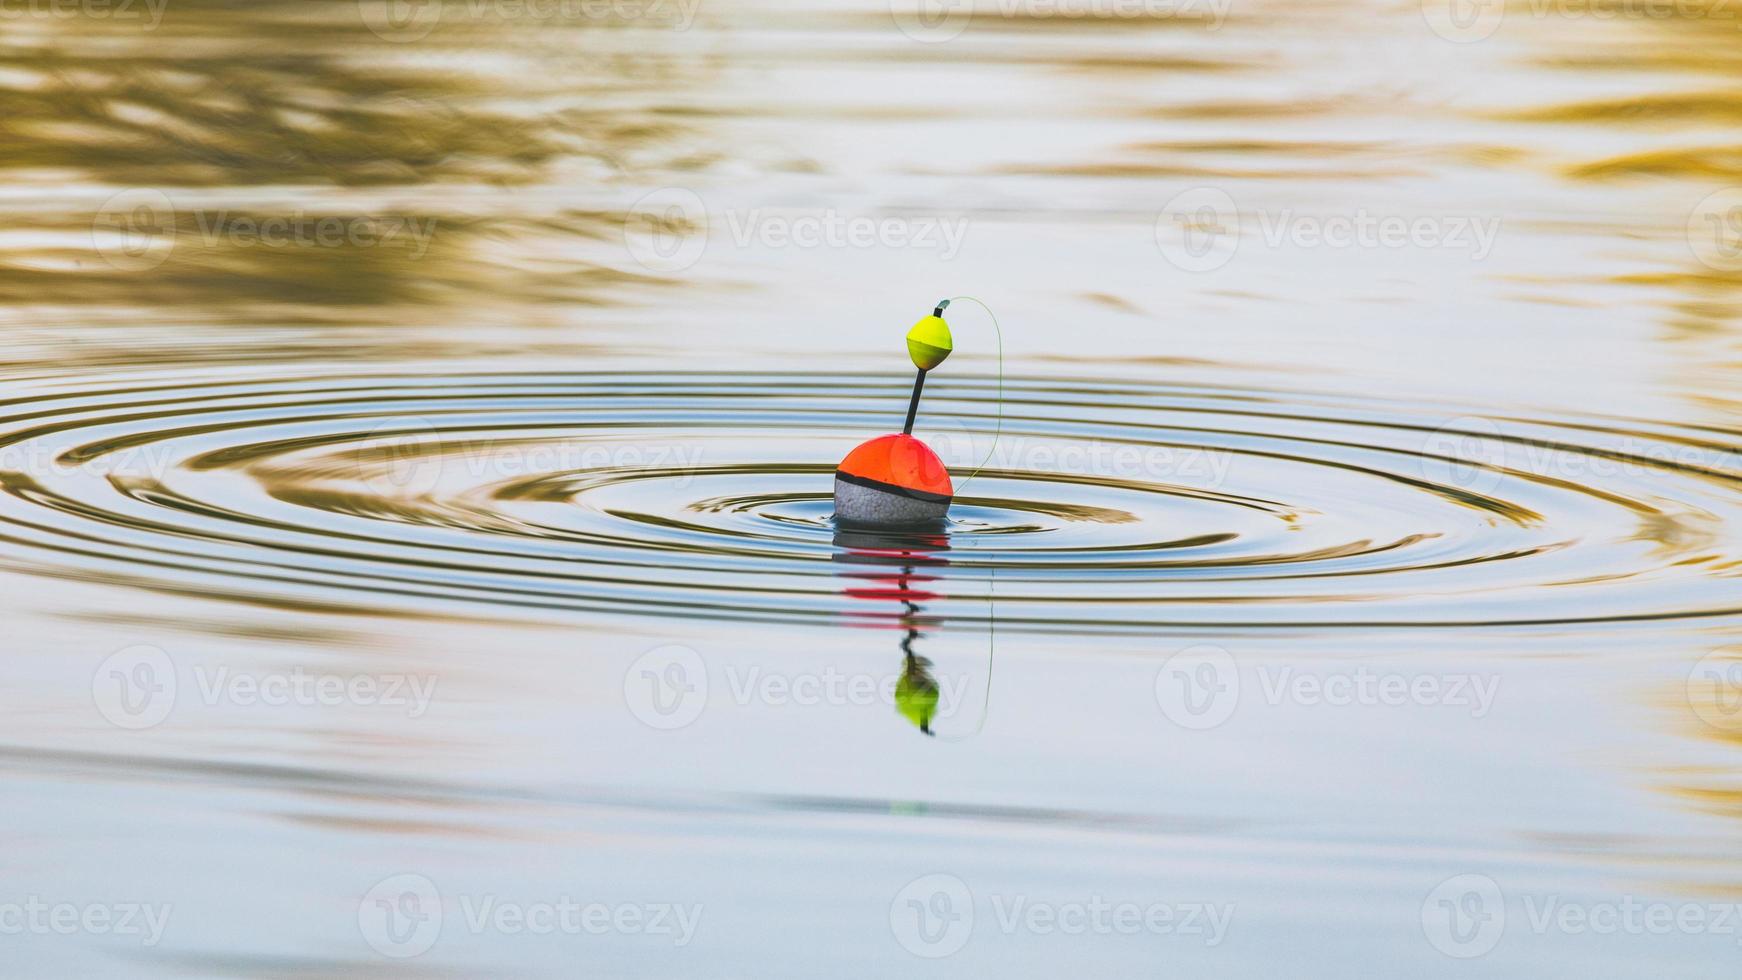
1106	506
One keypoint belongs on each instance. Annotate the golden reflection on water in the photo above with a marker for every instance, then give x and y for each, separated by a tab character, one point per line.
519	138
1708	707
308	167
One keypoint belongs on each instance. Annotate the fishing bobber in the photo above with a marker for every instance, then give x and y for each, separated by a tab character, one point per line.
891	481
896	480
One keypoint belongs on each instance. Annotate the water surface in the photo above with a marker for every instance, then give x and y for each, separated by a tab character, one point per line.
500	356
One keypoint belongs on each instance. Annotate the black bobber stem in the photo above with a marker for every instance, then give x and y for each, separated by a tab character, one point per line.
913	405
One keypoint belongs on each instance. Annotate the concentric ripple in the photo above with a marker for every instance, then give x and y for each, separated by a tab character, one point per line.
1105	506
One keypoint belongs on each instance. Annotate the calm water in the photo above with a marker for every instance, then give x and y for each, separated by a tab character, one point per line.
417	432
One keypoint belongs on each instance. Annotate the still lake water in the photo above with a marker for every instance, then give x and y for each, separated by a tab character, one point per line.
417	433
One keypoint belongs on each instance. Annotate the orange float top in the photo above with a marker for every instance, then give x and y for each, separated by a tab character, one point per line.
899	461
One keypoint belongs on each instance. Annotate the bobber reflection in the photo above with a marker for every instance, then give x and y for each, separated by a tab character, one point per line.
891	569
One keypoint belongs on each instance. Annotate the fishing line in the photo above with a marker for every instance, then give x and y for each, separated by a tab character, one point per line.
991	656
992	574
998	427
